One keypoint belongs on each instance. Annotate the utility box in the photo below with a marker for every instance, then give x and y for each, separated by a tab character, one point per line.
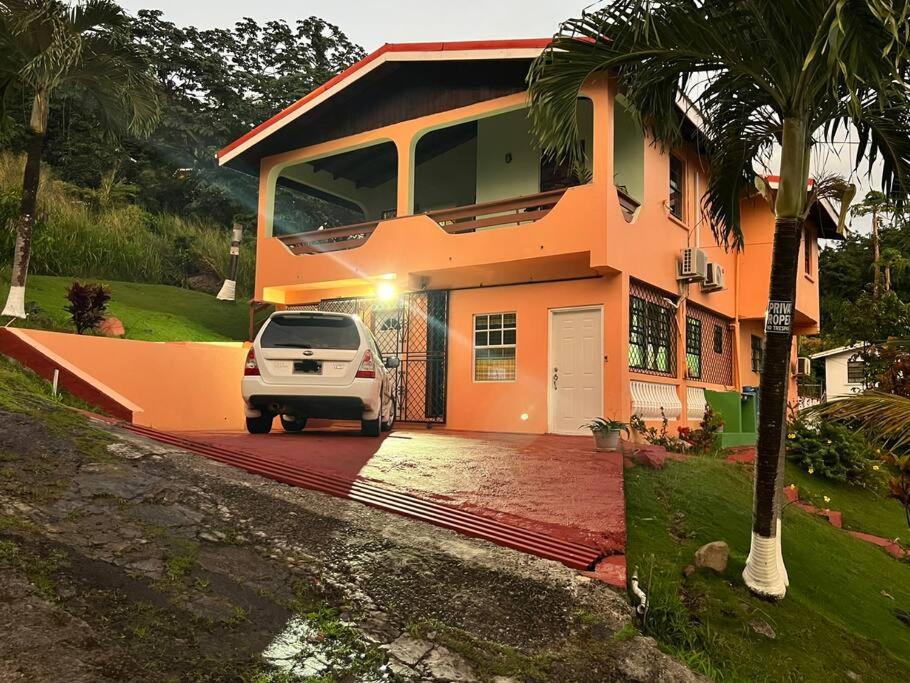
740	415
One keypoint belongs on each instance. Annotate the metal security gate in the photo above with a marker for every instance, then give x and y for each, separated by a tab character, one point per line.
414	328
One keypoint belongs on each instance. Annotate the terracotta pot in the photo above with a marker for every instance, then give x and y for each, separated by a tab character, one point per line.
606	441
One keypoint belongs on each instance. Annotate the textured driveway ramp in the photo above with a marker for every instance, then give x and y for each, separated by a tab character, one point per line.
575	555
546	495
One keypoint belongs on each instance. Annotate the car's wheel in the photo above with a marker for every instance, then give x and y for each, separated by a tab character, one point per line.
261	424
372	427
389	421
290	423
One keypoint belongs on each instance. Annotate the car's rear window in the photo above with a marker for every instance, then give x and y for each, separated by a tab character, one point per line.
304	331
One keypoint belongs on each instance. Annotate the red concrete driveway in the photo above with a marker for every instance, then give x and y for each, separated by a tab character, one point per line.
555	485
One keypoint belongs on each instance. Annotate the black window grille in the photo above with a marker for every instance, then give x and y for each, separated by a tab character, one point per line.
652	331
677	186
758	354
693	347
709	346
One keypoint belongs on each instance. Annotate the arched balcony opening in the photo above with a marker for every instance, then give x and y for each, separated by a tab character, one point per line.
628	159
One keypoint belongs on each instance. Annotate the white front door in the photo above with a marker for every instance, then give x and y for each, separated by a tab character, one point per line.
576	368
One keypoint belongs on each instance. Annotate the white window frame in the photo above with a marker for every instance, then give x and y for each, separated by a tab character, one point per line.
474	347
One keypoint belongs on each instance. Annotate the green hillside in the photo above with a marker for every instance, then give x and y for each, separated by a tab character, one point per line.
149	312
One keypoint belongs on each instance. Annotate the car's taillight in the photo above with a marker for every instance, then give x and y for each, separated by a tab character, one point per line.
367	369
251	367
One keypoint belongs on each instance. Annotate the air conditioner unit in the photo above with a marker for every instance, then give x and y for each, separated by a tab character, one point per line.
803	367
692	265
714	278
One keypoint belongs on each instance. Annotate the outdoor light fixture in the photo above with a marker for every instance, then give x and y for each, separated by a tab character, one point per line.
386	291
524	417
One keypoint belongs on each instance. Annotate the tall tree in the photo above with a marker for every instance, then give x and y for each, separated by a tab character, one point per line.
790	72
49	44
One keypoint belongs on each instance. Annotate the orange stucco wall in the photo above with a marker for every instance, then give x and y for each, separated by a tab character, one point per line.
176	386
499	406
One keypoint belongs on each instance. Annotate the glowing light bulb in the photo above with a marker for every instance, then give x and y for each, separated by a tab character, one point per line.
386	291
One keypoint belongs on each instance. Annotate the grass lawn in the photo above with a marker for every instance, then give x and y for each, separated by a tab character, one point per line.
839	616
863	509
149	312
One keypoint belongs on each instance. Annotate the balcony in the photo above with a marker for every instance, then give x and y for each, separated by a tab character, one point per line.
455	221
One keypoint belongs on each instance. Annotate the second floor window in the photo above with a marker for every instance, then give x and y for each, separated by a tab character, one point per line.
757	354
807	251
693	347
677	183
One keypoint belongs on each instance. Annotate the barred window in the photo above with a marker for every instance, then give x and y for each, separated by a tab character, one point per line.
650	338
693	347
856	372
758	356
494	347
718	339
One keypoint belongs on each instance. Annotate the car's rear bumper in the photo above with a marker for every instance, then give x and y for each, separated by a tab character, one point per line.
356	401
323	407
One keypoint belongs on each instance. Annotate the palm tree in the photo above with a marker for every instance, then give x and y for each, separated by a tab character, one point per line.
788	72
894	264
47	46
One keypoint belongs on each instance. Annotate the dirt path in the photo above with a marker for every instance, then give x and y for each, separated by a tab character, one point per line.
123	560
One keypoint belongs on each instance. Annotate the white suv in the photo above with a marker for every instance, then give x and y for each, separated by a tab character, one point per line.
323	365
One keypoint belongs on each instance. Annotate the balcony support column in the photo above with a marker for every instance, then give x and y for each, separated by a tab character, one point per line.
405	199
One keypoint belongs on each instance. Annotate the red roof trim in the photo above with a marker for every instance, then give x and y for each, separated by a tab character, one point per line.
522	43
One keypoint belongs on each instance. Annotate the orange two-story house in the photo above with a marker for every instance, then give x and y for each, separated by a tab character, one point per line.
521	295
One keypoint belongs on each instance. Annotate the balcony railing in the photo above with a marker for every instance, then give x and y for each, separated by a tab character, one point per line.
462	219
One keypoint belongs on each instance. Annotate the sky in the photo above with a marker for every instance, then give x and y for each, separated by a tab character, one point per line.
371	24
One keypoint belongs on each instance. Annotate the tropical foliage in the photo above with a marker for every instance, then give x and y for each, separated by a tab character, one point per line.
214	84
831	450
47	46
87	305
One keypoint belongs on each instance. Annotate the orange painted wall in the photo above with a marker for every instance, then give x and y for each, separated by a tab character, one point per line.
178	386
498	406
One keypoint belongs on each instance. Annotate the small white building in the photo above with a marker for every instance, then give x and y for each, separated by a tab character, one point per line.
844	370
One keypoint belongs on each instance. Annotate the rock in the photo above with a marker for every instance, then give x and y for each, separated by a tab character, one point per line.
409	650
111	327
762	628
402	670
689	570
713	556
445	664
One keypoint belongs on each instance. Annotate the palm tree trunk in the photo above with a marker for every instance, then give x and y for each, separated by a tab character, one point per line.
876	257
765	573
15	301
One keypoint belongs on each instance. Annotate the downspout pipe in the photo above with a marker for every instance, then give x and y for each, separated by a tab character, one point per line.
642	606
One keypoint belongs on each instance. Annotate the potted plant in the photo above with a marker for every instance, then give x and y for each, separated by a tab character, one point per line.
606	433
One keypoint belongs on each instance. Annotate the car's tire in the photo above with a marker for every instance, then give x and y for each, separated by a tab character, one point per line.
388	424
294	425
261	424
372	427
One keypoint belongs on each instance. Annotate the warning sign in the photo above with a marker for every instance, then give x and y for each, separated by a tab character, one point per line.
779	319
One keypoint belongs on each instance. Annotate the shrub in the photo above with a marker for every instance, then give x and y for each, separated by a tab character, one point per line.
830	450
88	303
704	439
658	437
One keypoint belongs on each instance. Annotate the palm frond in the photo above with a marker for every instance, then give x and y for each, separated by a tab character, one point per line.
883	417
